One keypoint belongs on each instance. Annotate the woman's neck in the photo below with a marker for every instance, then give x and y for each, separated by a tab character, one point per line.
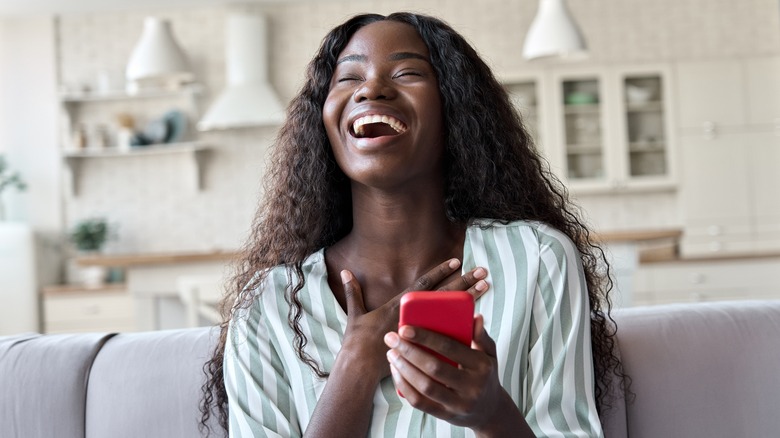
395	238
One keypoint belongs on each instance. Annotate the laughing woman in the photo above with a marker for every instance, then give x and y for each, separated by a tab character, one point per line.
403	165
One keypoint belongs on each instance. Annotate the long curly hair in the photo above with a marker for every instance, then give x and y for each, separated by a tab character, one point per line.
307	203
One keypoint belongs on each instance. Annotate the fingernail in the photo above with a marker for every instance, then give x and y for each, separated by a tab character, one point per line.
480	273
392	340
345	276
392	356
481	285
407	332
454	263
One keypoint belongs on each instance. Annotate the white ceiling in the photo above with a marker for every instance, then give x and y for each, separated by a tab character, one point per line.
47	7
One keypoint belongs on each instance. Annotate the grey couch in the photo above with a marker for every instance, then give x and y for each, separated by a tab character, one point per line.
698	370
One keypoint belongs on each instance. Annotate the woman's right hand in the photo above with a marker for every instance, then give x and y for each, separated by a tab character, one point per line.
363	339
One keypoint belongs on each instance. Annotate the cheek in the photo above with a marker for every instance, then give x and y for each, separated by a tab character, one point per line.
331	115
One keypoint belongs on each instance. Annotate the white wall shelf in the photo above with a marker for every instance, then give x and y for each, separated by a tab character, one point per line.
93	96
195	151
74	156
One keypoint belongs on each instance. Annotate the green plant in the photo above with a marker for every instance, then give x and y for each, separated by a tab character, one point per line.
9	179
90	234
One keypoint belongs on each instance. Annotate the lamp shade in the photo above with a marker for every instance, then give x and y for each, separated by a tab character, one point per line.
554	33
248	98
157	56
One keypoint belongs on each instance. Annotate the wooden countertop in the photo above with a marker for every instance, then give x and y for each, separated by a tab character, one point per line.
150	259
638	235
70	289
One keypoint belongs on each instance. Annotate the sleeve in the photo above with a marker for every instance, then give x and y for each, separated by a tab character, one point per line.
259	394
560	381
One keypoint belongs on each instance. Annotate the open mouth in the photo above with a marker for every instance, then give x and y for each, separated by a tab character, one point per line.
377	126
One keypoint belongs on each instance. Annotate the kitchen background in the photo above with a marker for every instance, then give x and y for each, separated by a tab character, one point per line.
202	198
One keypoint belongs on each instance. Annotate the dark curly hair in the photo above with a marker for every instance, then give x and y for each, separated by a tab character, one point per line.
307	202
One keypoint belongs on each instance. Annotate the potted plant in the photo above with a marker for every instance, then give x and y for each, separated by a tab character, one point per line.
8	180
89	236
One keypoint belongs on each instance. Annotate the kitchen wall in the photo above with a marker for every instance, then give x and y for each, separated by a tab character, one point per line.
154	209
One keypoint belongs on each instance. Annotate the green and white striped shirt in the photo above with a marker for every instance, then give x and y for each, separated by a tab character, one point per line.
536	311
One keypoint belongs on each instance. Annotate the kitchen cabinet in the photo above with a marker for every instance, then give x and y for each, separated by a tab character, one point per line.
614	126
524	94
730	152
69	309
711	96
603	129
91	129
527	94
764	155
707	279
762	82
715	193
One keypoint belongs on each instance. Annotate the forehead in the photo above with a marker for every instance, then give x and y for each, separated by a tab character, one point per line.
385	37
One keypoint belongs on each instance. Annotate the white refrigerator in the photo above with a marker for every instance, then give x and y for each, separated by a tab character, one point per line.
18	297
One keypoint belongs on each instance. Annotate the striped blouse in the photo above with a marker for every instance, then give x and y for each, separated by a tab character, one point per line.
536	311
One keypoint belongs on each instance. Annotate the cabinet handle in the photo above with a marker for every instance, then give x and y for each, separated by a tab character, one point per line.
716	246
619	184
92	309
698	278
710	130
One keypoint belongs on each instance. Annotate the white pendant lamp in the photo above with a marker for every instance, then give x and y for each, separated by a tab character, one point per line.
554	33
157	59
248	99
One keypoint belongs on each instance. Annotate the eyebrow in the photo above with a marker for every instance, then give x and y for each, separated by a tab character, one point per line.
394	57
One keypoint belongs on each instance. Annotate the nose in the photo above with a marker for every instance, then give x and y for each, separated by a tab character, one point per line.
374	88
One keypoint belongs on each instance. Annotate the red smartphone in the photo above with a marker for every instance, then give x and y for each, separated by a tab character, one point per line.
450	313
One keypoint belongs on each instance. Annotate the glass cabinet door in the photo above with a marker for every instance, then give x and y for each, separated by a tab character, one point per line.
582	129
644	126
524	95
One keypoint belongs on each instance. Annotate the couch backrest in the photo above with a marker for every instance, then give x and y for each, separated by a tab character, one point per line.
149	385
702	370
43	384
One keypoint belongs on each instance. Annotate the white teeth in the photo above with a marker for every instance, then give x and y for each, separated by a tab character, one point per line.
394	123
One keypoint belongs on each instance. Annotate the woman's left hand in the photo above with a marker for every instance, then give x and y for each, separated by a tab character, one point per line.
470	395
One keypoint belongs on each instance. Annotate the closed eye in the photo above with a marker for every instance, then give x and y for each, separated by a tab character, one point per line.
407	73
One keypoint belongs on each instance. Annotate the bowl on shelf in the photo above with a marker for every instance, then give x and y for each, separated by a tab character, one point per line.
580	98
636	94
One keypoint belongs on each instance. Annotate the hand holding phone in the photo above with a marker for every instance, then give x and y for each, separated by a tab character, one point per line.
450	313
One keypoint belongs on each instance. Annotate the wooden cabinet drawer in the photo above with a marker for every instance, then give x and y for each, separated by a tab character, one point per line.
84	310
709	275
707	280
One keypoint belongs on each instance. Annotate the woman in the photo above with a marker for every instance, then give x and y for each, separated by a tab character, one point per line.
403	165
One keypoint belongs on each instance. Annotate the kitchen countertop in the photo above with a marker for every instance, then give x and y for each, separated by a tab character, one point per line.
151	259
638	235
167	258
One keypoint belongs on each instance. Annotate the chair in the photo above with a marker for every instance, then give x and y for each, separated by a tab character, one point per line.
200	295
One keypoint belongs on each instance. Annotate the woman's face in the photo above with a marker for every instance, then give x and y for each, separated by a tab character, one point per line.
383	112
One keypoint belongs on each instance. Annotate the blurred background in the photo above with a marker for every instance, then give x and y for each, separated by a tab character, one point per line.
134	135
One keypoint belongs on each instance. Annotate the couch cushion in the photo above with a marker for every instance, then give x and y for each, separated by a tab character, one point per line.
148	384
43	384
702	370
